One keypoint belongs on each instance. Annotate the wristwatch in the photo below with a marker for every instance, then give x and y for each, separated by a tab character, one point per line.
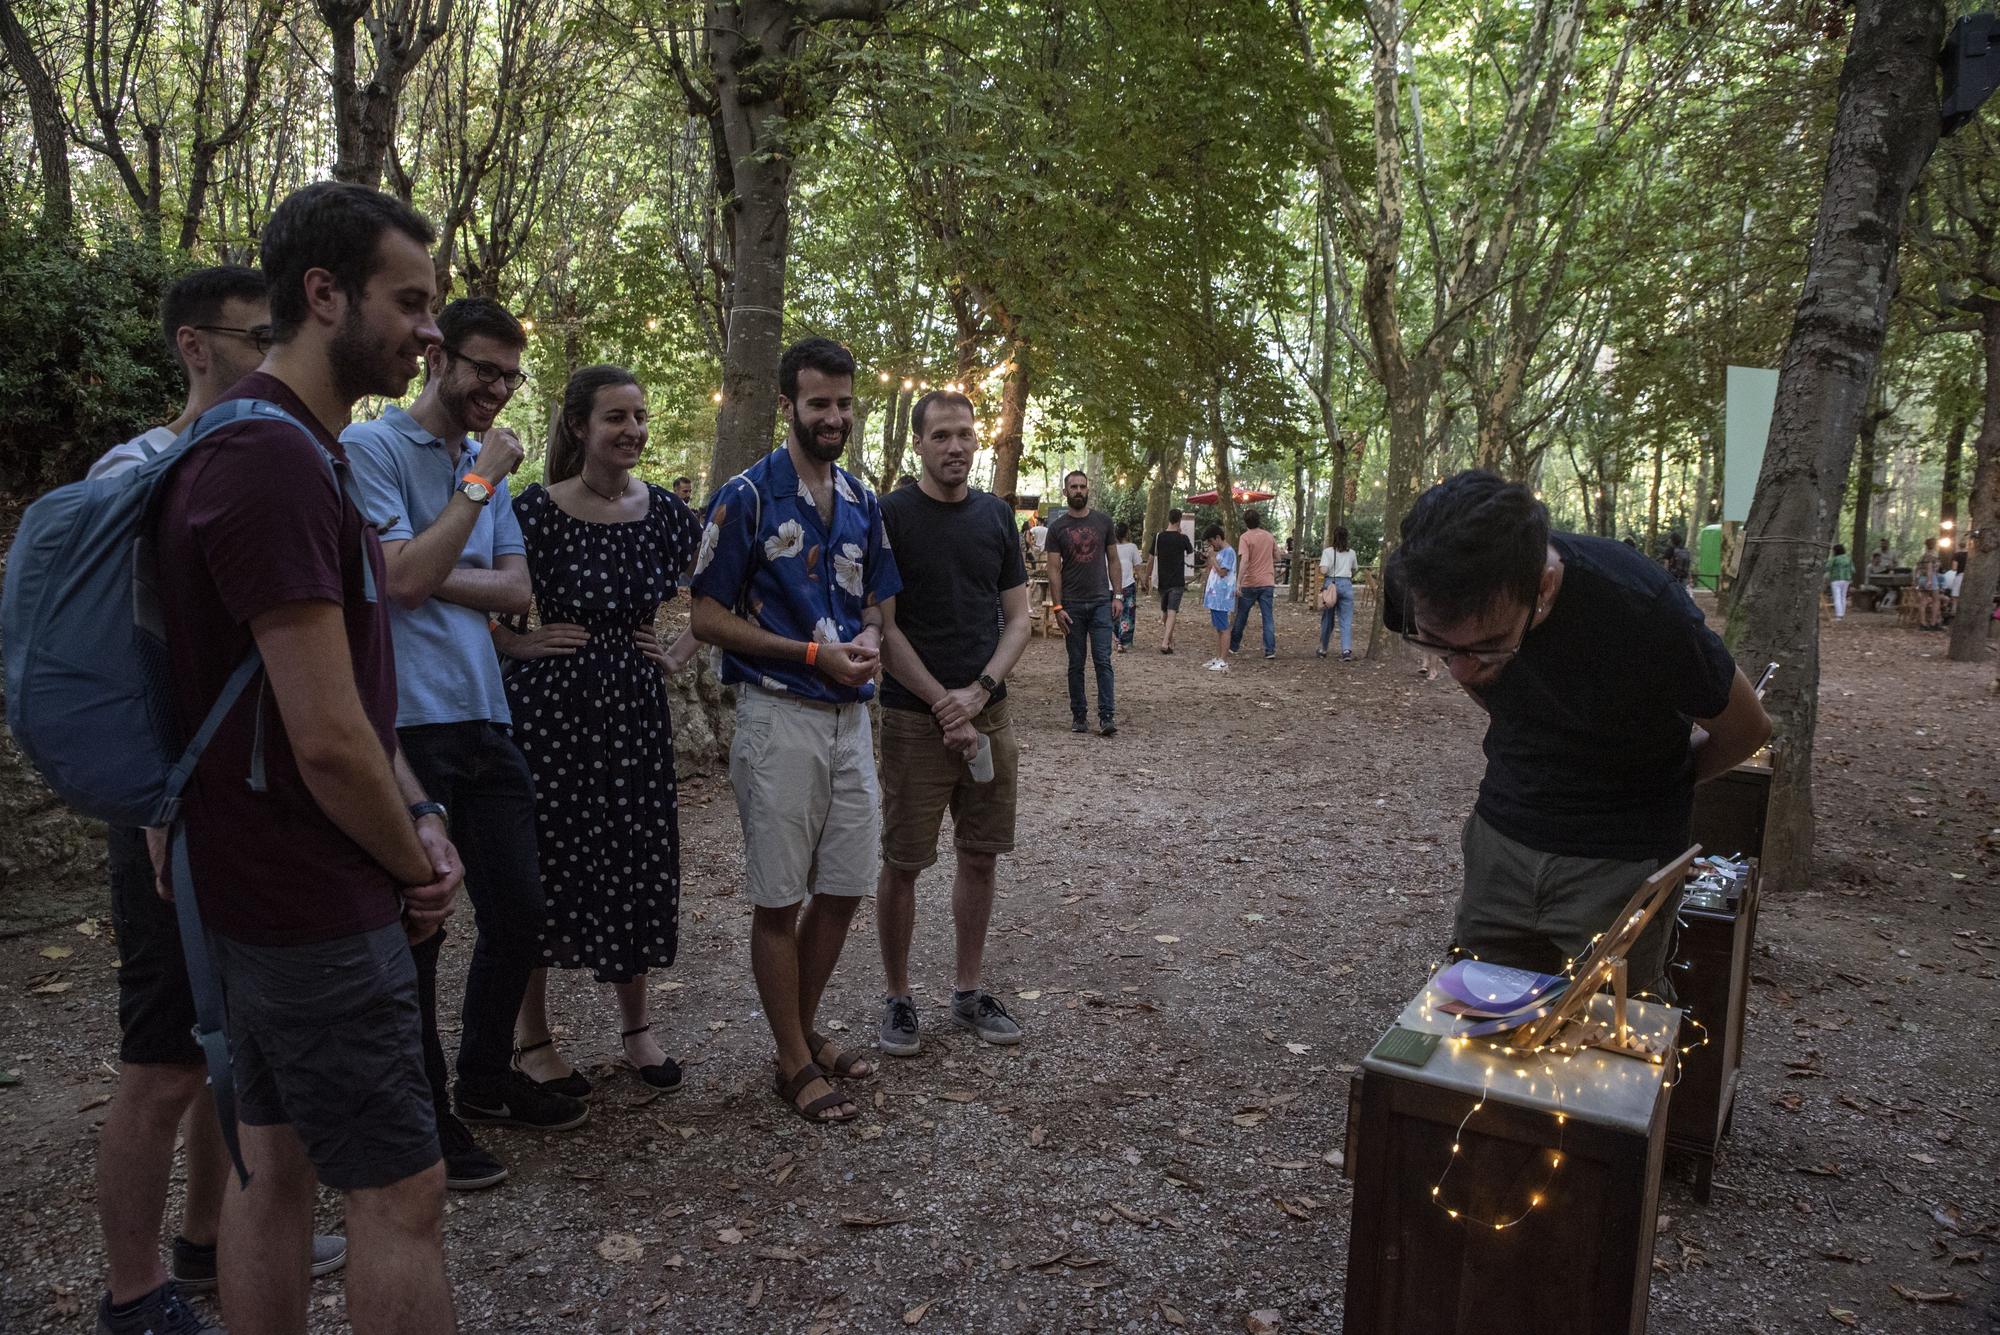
476	489
992	686
419	810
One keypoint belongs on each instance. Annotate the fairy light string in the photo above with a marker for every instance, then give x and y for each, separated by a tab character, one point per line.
1554	1049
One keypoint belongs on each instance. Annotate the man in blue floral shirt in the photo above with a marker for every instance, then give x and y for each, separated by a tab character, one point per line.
793	570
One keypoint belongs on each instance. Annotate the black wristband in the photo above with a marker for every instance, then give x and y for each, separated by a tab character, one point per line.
419	810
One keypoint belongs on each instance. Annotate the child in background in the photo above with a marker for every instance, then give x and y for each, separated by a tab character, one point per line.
1219	595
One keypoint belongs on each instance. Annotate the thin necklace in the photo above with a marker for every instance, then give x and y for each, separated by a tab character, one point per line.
580	477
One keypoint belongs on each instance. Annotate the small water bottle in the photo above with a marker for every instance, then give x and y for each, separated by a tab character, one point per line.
981	763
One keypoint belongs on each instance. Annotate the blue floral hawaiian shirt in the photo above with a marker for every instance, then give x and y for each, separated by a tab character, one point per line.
766	555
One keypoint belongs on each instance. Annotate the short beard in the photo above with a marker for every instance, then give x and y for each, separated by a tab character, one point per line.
1078	503
359	365
826	454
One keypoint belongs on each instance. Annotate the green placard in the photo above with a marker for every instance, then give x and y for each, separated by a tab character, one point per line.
1406	1046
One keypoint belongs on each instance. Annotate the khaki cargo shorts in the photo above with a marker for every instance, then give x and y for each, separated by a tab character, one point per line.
804	775
921	780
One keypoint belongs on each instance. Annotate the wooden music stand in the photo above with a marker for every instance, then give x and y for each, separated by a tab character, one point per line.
1605	964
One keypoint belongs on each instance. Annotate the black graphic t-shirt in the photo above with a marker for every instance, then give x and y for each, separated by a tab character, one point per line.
1081	541
1171	550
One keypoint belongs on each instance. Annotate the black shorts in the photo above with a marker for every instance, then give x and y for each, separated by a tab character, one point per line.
326	1038
1170	597
155	1004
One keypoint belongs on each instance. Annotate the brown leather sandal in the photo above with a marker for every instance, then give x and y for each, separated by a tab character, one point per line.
843	1065
789	1091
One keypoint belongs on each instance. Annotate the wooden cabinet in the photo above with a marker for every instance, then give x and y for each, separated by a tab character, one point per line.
1711	978
1579	1260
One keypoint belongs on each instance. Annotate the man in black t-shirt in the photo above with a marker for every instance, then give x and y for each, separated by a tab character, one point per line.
1171	550
1609	700
949	639
1087	598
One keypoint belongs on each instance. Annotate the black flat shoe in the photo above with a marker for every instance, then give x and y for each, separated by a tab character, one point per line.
665	1077
575	1085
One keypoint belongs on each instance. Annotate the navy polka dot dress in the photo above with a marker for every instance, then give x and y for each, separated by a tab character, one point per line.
595	730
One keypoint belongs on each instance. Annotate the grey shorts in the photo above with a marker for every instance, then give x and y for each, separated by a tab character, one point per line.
1532	910
804	775
326	1038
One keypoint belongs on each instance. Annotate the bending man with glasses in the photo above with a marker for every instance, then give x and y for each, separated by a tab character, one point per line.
1609	701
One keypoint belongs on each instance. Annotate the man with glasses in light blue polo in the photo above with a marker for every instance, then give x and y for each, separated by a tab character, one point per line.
1609	700
433	480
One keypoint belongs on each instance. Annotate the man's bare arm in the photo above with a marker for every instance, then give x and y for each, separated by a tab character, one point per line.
418	566
1733	736
502	591
340	757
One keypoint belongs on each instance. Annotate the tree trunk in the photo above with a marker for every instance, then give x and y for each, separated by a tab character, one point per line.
45	109
882	477
1884	130
1166	462
1225	480
1974	620
1864	487
1296	541
1007	434
1653	498
1954	462
896	436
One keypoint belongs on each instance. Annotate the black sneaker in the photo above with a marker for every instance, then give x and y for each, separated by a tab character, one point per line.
1107	729
1078	725
466	1166
161	1312
899	1036
518	1101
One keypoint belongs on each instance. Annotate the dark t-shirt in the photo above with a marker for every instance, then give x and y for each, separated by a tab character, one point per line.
1081	541
1587	752
956	558
1171	549
250	521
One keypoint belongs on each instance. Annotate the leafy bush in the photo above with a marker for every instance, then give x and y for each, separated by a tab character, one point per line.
82	365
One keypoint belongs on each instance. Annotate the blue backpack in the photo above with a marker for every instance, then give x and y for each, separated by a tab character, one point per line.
88	691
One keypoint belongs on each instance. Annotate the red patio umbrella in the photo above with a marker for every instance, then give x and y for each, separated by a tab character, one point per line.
1241	493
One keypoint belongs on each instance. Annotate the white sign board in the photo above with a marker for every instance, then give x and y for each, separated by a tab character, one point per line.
1751	394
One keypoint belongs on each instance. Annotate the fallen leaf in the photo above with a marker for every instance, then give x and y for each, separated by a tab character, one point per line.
958	1096
1249	1118
1171	1316
1263	1321
1298	1049
95	1101
1168	940
1928	1296
1842	1315
873	1220
756	1296
620	1248
1037	1137
56	952
674	1262
916	1314
89	927
1029	995
729	1237
50	989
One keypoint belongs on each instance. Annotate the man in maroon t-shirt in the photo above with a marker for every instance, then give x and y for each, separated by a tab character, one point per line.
313	880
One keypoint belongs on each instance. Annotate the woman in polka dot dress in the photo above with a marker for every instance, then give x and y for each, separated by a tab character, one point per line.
588	692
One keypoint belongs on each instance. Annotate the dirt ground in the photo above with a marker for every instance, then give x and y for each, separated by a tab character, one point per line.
1212	916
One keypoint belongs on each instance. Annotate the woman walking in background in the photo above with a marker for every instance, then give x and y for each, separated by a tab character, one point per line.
1337	565
1924	578
589	697
1839	574
1128	568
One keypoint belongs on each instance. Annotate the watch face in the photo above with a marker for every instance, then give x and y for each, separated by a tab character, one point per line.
475	492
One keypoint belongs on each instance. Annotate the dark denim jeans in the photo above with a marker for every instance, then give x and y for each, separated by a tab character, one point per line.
479	774
1259	598
1091	623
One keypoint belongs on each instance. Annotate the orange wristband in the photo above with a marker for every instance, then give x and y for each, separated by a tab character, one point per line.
812	652
474	477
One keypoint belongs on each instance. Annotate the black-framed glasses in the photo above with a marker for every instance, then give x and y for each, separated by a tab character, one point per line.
488	373
257	336
1483	657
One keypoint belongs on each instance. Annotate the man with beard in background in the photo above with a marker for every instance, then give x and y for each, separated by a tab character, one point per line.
793	569
1084	581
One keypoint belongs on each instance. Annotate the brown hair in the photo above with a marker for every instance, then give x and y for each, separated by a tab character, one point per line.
566	426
